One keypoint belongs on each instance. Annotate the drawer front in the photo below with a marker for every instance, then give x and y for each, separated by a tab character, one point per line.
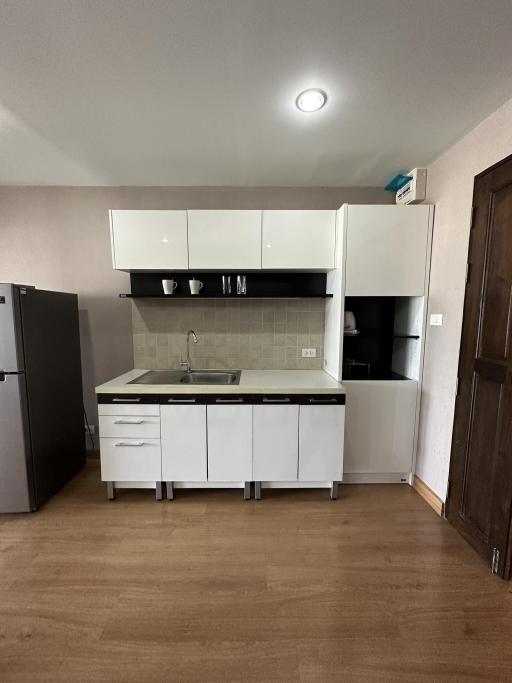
130	459
130	426
135	409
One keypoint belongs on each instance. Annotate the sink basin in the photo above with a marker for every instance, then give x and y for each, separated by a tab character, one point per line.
194	377
211	377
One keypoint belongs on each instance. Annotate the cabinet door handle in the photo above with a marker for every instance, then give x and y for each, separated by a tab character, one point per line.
133	443
322	400
229	400
276	400
126	400
181	400
128	422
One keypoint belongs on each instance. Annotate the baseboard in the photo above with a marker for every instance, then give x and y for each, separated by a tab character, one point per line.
428	495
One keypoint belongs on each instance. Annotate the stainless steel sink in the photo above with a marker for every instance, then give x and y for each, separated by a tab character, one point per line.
211	377
193	377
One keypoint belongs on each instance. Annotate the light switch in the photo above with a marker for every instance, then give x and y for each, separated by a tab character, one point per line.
436	319
309	353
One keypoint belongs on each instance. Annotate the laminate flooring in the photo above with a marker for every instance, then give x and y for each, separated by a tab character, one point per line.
371	587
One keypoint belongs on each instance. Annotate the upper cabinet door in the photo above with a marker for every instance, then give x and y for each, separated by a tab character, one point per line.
299	239
149	240
386	250
224	240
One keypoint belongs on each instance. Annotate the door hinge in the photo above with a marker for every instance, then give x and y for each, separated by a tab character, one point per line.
449	489
457	387
495	561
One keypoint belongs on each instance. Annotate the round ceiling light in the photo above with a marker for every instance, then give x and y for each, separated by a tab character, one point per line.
310	100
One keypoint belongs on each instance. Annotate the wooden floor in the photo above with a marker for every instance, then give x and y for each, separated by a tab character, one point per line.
371	587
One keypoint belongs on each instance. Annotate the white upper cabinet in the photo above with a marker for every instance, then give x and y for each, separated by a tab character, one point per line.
149	240
224	240
386	250
298	239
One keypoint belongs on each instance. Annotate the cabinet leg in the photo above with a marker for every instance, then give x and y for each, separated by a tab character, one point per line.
111	490
257	490
334	490
247	490
158	490
170	490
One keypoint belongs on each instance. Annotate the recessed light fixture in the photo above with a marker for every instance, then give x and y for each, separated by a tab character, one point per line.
310	100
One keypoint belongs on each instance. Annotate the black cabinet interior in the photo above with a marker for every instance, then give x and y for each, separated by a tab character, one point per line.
267	284
368	354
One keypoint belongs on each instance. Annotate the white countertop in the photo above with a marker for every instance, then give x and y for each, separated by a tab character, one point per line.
251	382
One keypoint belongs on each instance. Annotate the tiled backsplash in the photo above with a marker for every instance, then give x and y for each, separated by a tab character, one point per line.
259	334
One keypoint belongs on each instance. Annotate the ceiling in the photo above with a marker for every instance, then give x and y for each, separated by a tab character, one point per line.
201	92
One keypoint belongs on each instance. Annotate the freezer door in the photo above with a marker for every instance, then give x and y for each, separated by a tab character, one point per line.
11	351
16	494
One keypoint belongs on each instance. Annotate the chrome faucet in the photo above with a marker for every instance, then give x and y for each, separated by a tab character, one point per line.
188	363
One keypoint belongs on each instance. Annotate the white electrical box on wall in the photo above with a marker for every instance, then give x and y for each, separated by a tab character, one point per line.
415	190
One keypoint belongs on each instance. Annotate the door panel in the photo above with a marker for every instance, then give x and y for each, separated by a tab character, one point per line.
11	352
224	239
149	240
229	443
16	494
184	443
275	443
298	239
321	430
480	496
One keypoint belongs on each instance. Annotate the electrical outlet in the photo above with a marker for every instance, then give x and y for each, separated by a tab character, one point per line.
309	353
436	319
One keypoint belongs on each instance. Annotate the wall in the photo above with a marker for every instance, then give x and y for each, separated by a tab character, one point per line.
58	238
260	335
450	188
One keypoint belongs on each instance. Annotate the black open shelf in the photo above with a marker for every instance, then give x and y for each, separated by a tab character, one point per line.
373	347
258	285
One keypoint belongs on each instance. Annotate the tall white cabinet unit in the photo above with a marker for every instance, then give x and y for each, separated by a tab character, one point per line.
383	262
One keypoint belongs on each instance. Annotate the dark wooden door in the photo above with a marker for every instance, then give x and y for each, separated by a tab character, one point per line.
480	490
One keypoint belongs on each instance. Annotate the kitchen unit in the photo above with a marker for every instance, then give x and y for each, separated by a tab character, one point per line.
223	436
371	262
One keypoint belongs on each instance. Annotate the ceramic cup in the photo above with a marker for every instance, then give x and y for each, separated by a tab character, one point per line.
169	286
195	286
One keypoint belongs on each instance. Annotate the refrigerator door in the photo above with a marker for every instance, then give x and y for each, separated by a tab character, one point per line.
16	493
11	352
51	344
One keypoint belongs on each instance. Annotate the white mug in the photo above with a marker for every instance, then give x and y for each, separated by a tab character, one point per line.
195	286
169	286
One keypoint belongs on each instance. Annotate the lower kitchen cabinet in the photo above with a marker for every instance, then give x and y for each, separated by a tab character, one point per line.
137	460
321	435
184	455
379	439
275	442
229	442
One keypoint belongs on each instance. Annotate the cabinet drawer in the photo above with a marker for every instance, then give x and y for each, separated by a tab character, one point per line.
135	409
130	459
130	426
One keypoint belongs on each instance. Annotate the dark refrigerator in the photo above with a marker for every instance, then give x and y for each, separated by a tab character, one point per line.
42	437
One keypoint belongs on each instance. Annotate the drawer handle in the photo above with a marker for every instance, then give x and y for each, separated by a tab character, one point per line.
322	400
126	400
128	422
229	400
181	400
133	443
276	400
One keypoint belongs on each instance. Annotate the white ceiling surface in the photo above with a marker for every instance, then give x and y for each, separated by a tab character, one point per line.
201	92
